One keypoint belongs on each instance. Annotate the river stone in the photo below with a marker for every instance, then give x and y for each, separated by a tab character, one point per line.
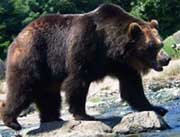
70	129
3	89
140	122
155	86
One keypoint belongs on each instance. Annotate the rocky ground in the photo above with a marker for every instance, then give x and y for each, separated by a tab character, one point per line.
105	104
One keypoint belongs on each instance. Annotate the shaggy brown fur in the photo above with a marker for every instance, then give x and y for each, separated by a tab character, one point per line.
71	51
2	105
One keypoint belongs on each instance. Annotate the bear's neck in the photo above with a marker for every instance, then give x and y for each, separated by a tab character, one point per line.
112	24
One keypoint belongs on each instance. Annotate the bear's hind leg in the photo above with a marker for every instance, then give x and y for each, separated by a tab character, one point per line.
48	102
76	90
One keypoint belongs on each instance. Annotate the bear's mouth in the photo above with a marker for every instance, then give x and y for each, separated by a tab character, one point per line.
156	66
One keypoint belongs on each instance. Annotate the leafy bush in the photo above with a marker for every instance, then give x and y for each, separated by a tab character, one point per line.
165	11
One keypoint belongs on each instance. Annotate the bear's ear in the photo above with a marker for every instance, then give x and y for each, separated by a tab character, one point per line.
134	31
154	24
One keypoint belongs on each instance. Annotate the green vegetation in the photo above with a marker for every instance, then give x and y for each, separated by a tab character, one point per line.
15	14
168	42
165	11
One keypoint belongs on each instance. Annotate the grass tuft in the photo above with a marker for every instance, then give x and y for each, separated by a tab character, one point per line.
168	42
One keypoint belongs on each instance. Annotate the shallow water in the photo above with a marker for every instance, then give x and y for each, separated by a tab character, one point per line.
172	118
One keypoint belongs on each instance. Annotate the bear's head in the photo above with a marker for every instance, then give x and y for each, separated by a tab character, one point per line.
146	45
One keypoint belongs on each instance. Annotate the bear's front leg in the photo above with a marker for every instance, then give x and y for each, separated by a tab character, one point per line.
131	89
76	89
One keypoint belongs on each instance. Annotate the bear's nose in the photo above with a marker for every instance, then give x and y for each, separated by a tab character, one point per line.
165	61
169	59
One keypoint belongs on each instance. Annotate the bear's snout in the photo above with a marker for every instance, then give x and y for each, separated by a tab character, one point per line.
163	58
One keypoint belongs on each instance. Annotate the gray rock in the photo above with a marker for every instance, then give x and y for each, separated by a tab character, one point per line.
71	129
140	122
3	88
30	109
155	86
176	36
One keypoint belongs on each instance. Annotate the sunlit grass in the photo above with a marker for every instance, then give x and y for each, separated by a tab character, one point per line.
168	42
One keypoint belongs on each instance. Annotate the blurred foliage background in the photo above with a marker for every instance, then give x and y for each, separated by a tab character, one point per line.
15	14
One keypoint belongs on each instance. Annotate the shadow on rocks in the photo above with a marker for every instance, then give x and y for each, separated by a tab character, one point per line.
67	126
47	127
110	121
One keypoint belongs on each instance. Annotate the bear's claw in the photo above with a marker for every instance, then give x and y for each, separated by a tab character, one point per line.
13	125
160	110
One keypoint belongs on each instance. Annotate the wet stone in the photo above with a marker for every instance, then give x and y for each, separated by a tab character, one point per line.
141	122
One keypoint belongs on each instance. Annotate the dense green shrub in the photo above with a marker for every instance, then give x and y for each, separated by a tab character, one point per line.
165	11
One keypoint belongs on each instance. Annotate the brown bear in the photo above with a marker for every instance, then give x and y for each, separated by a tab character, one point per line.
70	51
